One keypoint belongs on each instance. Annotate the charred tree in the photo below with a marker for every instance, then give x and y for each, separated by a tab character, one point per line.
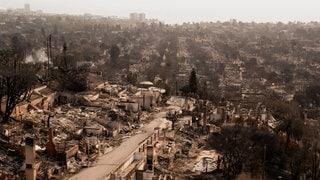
17	81
69	76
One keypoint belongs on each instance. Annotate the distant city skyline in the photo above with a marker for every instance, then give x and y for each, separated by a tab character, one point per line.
178	11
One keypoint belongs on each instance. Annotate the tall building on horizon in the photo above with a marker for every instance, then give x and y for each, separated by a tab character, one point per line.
133	16
27	8
142	17
138	17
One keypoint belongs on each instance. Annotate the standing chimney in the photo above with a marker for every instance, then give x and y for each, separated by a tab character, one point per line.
150	160
50	146
305	116
30	155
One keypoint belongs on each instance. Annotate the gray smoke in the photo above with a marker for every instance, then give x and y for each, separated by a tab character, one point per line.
37	56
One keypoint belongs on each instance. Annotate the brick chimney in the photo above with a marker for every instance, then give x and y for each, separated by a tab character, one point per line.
30	155
50	146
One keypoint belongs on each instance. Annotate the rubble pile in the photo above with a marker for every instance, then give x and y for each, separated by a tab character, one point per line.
192	121
71	130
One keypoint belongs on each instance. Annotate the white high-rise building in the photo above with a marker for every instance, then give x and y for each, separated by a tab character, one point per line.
138	17
27	8
142	16
134	16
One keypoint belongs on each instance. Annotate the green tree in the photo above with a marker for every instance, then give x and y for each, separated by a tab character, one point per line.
193	81
245	149
114	54
72	79
132	78
173	117
290	122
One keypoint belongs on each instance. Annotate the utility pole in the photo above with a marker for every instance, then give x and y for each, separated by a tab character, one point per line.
138	112
143	100
65	55
49	54
204	121
264	159
176	88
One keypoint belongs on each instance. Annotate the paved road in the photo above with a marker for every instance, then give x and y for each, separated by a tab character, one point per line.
110	161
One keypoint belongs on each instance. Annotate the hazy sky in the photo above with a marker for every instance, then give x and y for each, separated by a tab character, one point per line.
177	11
